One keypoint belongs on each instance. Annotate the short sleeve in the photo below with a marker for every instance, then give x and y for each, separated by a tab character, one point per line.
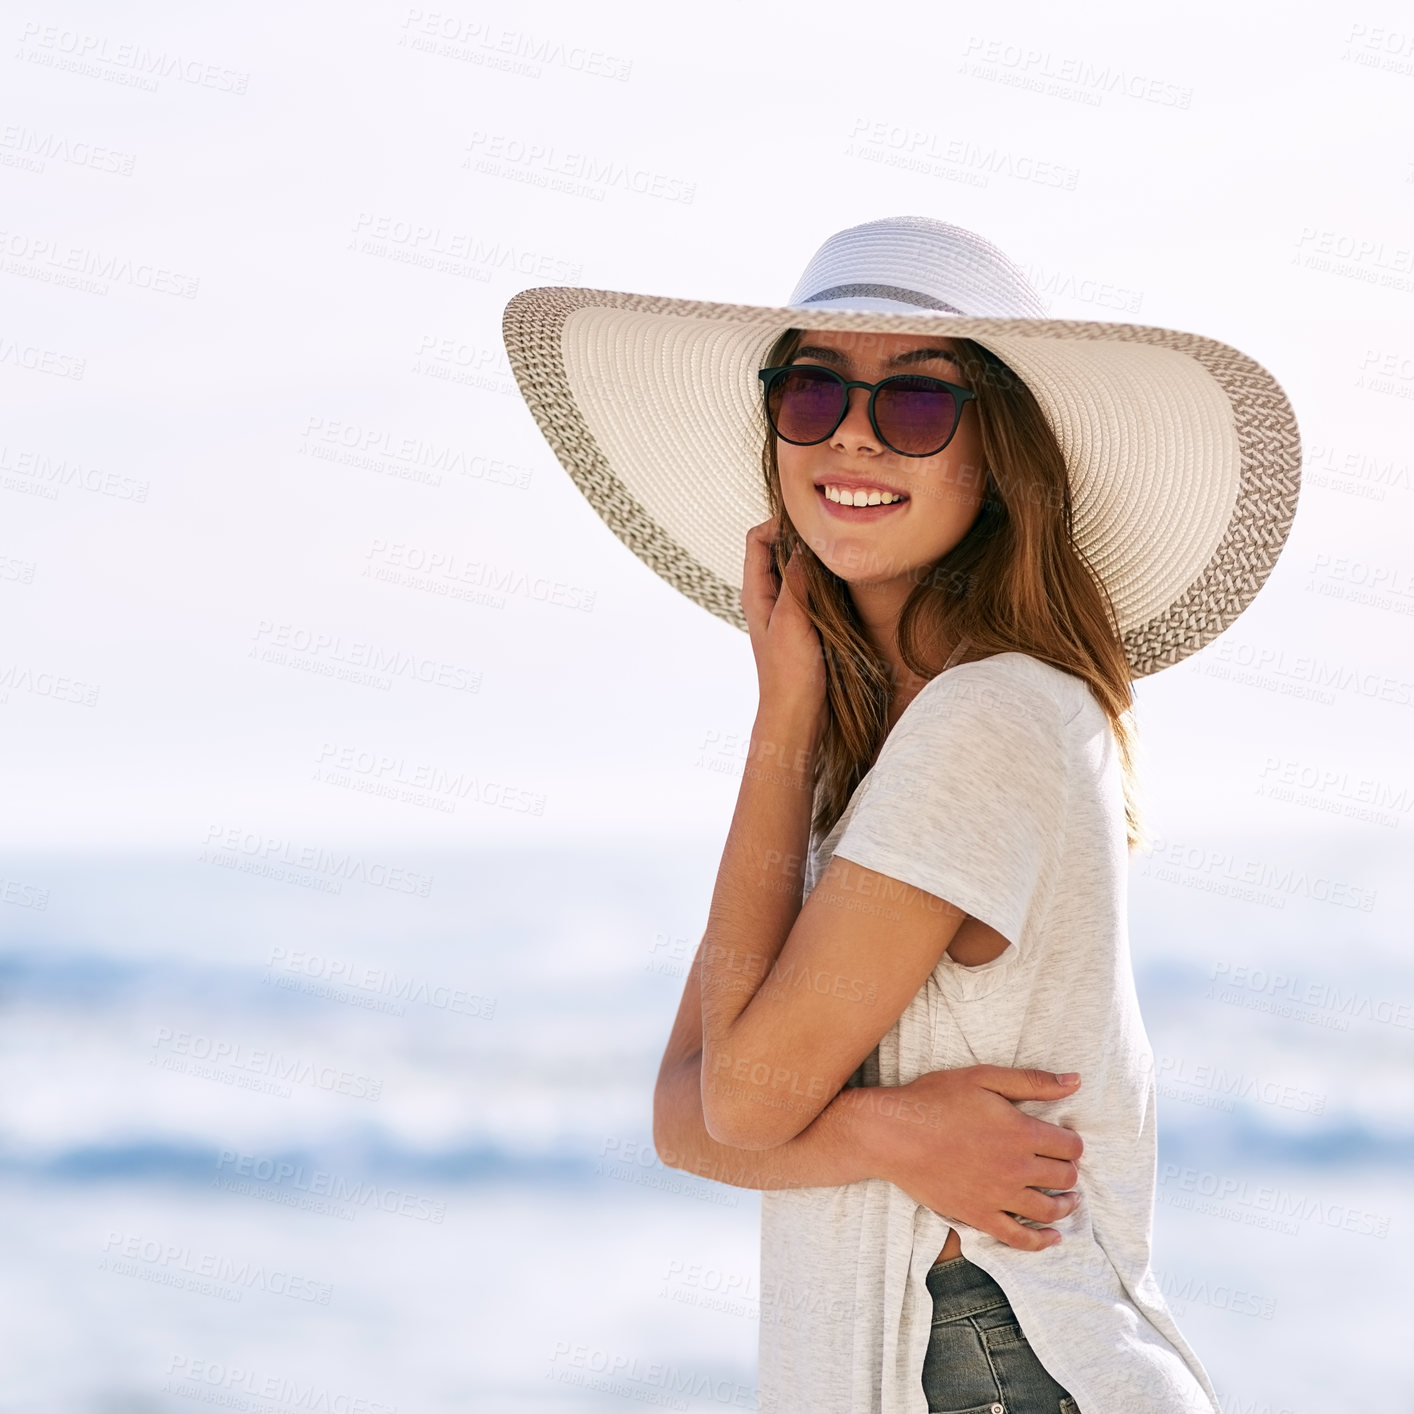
967	798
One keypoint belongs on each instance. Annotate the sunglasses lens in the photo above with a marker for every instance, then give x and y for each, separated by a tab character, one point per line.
805	404
916	416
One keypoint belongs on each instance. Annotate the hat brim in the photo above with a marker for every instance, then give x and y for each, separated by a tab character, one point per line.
1184	453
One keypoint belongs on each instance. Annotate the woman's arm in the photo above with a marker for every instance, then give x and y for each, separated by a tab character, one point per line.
952	1140
794	998
830	1152
755	904
760	882
771	1059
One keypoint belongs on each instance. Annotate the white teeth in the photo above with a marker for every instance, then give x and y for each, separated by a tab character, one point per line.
847	497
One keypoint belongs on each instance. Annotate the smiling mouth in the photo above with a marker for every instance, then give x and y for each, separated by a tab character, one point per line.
852	500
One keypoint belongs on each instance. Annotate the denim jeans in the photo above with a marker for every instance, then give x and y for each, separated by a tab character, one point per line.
978	1361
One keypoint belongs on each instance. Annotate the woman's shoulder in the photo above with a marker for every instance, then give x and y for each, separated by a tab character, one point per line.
1024	678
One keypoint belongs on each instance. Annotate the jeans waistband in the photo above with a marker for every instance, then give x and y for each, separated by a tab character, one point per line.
961	1288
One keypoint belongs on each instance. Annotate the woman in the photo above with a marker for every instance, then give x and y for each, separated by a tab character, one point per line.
920	910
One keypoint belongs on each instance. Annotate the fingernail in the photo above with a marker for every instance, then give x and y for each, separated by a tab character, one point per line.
1069	1078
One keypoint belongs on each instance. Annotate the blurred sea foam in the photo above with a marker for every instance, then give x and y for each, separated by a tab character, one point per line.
282	1129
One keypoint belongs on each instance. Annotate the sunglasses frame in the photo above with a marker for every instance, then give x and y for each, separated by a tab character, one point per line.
768	377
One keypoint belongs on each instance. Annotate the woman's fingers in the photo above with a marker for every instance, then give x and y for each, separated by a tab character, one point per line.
794	590
758	585
1054	1141
1039	1207
1044	1207
790	662
1043	1172
1028	1239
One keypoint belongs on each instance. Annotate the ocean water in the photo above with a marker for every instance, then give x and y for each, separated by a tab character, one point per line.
373	1132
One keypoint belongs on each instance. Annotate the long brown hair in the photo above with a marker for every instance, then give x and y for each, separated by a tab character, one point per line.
1016	582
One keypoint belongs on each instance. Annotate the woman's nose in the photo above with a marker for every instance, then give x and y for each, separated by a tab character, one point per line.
854	430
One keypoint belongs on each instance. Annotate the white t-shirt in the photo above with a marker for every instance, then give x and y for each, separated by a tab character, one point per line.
999	790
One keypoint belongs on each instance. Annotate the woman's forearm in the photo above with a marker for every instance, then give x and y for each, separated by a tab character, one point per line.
834	1149
760	881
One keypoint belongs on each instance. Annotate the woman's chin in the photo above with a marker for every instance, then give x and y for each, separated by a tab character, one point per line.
860	564
862	556
858	576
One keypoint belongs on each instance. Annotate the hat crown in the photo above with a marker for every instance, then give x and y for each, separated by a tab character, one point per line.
912	264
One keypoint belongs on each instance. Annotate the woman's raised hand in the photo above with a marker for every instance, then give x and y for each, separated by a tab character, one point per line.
790	662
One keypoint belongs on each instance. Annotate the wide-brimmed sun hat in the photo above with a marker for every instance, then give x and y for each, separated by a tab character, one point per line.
1183	453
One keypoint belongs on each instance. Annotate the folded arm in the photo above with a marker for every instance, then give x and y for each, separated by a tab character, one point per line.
793	998
952	1140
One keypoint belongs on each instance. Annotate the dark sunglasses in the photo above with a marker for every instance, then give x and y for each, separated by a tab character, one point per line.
912	415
